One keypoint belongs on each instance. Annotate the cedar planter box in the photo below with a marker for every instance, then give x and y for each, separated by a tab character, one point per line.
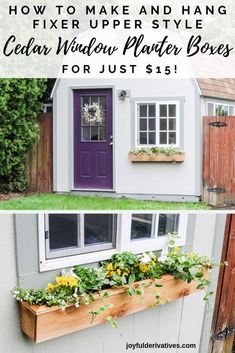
42	323
156	157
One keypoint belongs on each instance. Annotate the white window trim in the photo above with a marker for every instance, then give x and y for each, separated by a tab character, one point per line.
123	242
218	103
177	103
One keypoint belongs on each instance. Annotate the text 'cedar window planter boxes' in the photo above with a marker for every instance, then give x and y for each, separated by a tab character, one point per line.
42	323
156	157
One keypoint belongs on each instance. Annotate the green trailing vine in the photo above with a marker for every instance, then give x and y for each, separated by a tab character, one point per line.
169	151
81	285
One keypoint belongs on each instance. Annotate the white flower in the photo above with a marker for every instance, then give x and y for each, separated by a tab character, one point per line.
145	258
77	305
68	273
163	258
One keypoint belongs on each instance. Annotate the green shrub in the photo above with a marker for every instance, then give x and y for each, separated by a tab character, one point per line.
19	106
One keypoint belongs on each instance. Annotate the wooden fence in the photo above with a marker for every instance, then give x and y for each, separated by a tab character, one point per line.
218	160
39	162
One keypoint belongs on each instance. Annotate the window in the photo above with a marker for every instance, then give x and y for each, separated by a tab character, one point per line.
218	109
72	239
148	232
157	123
141	226
93	121
72	234
168	223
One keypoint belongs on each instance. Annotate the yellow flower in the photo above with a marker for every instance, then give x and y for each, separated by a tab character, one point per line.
191	254
126	270
126	273
143	267
50	287
110	274
62	280
109	267
119	272
73	282
176	248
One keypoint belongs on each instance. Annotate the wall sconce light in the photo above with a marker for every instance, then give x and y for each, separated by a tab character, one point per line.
122	94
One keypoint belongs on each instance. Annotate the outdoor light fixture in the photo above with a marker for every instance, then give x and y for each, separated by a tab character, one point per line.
122	94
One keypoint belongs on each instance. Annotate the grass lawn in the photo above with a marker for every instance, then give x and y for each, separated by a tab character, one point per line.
75	202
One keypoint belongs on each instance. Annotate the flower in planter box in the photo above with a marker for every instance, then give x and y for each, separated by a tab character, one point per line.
144	258
143	267
50	287
66	281
164	256
123	269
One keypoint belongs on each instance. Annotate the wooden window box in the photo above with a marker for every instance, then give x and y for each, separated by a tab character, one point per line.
42	323
156	157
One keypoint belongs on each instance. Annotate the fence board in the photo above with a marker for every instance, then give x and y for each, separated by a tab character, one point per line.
219	161
39	162
224	312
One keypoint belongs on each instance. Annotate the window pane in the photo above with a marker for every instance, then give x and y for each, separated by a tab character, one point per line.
221	110
143	138
86	133
163	110
163	124
152	124
102	102
85	100
94	133
98	228
168	223
152	138
141	226
163	138
152	110
172	138
102	133
210	109
172	110
63	231
143	110
94	99
143	124
231	110
172	124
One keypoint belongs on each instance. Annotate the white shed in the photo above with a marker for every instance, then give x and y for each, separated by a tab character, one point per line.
97	122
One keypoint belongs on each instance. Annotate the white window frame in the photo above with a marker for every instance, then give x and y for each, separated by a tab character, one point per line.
220	104
123	241
80	249
157	104
73	257
155	242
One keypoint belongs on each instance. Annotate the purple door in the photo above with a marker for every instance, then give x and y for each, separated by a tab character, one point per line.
93	140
